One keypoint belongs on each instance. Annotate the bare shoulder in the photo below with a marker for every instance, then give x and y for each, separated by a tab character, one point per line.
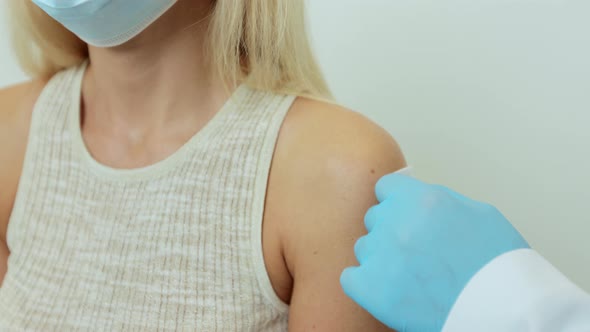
327	162
328	147
16	106
332	133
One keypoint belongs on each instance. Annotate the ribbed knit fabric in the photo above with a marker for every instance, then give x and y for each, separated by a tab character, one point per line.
174	246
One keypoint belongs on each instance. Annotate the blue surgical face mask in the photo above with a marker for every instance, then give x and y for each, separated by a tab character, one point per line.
105	23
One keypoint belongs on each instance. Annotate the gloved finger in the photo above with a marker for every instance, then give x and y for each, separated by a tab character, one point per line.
354	284
392	212
363	248
371	217
358	284
393	185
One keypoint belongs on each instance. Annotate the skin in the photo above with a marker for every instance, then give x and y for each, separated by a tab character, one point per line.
326	162
16	104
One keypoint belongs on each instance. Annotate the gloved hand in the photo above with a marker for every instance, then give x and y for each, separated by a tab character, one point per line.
425	242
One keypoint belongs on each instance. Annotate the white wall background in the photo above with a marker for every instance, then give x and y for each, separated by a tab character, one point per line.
491	97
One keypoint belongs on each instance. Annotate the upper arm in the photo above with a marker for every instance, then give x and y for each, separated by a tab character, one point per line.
16	105
327	163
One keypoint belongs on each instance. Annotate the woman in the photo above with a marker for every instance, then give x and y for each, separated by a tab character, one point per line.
173	166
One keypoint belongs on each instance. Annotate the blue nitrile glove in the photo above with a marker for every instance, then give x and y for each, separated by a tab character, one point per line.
425	242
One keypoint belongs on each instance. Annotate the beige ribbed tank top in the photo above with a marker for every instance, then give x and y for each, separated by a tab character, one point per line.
174	246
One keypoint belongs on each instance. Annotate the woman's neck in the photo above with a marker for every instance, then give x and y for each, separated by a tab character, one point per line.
158	77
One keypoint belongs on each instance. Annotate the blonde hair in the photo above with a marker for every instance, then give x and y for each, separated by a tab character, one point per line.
261	42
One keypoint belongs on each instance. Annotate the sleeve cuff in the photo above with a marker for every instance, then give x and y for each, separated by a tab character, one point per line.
405	171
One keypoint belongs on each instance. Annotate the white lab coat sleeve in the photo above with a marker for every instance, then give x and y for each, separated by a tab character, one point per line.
520	291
